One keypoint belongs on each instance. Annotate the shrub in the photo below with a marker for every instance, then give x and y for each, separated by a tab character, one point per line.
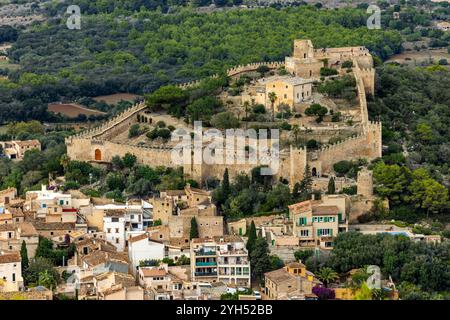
312	144
347	64
350	190
134	131
285	126
161	124
259	108
328	72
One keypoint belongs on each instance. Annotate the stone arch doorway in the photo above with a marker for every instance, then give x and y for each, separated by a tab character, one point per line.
98	155
314	172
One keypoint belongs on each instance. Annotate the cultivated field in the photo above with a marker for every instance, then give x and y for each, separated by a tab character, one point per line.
115	98
4	64
72	110
419	57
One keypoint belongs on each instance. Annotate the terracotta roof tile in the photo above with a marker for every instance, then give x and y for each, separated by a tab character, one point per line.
10	257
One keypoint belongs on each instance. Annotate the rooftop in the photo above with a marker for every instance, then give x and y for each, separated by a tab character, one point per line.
286	79
320	210
98	257
9	257
147	272
279	276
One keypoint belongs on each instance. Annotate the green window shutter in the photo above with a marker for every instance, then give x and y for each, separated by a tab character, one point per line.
340	216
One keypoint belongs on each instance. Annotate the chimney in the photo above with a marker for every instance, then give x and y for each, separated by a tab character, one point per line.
43	187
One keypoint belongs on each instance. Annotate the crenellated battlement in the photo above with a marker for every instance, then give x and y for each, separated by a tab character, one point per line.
96	144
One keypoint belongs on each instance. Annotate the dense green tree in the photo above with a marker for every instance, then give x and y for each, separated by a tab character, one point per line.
129	160
224	120
302	255
275	262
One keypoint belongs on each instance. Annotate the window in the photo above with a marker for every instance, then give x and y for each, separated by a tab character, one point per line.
109	230
132	216
324	232
61	202
114	219
9	235
44	205
117	230
304	233
14	277
117	240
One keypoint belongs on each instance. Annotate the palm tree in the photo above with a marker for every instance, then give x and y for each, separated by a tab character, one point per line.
327	275
46	279
64	161
273	98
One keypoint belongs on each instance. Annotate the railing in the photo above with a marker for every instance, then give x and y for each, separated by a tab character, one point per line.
205	274
233	252
232	262
206	264
205	253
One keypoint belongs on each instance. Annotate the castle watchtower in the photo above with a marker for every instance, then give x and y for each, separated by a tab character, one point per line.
365	182
303	49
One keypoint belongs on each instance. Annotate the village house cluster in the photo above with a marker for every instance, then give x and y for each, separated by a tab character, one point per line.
143	249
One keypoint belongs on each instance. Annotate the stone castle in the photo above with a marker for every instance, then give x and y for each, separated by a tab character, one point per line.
97	146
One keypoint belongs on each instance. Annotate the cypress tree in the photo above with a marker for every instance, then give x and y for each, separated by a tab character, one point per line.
226	185
24	256
296	191
194	229
259	259
306	183
331	186
251	237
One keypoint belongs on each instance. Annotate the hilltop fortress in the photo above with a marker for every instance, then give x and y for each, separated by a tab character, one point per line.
98	145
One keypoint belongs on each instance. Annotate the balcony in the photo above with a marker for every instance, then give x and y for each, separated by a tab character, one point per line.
205	274
234	252
233	262
206	264
205	253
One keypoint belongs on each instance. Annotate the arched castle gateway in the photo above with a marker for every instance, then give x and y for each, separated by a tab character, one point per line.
98	145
